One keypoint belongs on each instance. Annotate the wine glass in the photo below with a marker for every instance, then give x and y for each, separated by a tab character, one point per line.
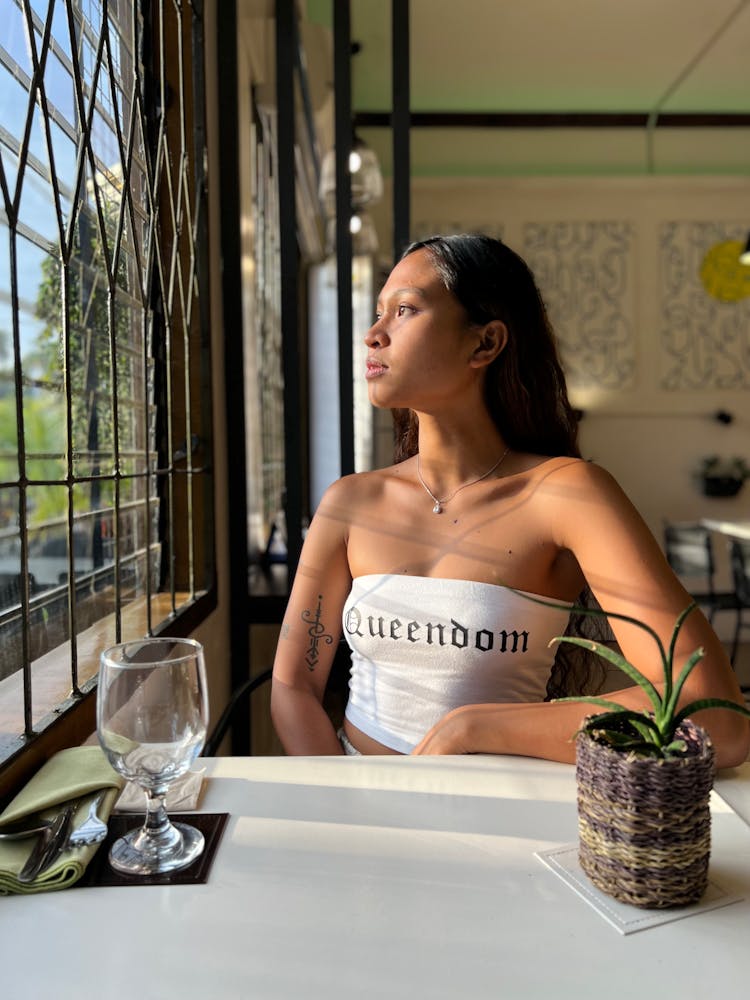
151	715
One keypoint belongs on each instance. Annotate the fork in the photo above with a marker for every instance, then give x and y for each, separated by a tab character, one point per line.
93	829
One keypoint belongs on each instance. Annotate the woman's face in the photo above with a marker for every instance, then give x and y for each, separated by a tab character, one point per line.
421	343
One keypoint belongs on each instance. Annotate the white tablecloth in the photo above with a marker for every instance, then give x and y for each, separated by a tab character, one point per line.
380	878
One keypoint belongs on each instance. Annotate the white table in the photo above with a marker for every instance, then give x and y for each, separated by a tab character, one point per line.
733	529
380	878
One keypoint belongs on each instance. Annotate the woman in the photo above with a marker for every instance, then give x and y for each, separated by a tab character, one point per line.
422	563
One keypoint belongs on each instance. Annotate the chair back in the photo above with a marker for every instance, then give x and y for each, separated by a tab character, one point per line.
739	555
689	551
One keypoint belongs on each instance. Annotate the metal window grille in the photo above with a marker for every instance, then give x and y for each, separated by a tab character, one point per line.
104	485
268	344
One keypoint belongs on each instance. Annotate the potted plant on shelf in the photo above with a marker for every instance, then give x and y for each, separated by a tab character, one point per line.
644	778
723	477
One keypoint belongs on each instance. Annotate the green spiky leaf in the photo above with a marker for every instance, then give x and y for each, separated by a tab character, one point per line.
669	659
671	700
619	661
621	719
646	733
703	703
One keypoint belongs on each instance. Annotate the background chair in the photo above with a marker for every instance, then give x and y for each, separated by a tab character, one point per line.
689	551
334	699
739	554
237	698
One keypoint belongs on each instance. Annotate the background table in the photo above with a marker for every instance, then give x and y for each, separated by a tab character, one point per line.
380	878
733	529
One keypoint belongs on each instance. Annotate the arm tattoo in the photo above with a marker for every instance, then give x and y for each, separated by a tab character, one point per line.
317	634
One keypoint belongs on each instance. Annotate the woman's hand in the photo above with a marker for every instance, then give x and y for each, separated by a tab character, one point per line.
449	736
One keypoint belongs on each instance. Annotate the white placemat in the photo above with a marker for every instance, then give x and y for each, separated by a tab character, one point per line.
625	918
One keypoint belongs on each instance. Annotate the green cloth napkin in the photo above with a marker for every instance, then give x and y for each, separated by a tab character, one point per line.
77	773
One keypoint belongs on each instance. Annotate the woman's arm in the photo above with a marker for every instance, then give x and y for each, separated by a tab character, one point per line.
310	633
547	730
626	570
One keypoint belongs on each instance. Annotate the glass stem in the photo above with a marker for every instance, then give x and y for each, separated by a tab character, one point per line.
157	821
158	839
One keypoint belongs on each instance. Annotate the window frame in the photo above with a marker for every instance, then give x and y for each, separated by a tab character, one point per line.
72	719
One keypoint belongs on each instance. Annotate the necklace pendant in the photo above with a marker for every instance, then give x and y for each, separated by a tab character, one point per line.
438	508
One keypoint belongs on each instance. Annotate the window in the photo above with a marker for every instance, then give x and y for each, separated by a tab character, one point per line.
105	494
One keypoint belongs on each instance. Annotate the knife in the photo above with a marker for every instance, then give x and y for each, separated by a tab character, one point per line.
49	846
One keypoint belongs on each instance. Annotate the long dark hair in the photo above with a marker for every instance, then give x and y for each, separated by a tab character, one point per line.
525	391
525	394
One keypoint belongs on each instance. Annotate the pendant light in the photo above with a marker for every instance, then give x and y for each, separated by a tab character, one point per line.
366	177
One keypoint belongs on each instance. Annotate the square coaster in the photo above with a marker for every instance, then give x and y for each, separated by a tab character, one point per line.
211	825
625	918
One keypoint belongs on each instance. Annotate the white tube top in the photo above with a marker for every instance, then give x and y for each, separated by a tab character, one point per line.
423	646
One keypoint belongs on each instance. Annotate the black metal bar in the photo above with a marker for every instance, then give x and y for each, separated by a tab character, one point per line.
401	125
286	46
553	119
342	74
233	359
22	494
200	243
142	42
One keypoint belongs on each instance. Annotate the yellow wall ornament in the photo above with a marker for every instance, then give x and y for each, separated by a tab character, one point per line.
722	275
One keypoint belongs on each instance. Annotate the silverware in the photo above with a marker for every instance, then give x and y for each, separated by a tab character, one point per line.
93	829
51	843
17	831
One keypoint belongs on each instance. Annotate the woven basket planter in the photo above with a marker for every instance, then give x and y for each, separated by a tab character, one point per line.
644	823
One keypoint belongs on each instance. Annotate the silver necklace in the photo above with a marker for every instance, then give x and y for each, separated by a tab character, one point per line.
440	504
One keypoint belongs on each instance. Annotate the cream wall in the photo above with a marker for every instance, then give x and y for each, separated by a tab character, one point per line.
651	439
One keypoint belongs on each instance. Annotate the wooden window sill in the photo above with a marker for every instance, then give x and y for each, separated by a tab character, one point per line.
51	677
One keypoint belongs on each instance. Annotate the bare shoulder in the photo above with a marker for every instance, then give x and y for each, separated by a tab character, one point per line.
588	483
358	486
559	467
577	478
578	498
355	494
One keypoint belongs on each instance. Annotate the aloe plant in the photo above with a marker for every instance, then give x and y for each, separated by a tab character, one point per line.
648	732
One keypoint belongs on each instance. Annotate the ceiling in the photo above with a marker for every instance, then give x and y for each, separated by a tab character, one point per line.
559	55
564	56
